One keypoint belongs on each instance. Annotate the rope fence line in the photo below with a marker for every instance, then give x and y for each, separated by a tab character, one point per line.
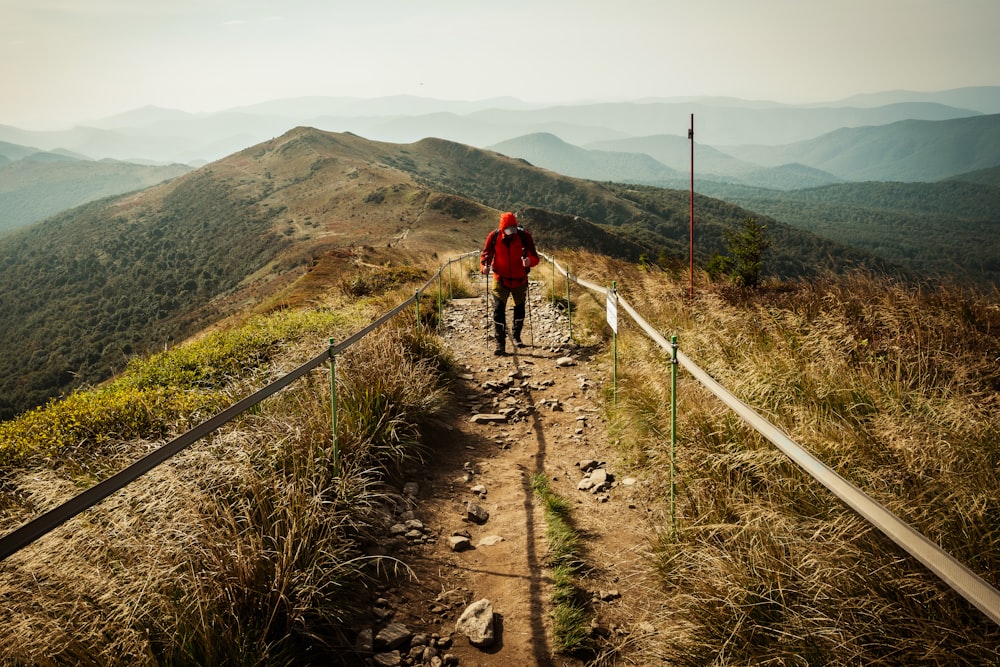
961	579
36	528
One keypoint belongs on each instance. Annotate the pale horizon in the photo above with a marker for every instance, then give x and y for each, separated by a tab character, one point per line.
64	64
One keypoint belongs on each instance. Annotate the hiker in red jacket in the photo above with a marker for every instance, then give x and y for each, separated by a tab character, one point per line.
510	251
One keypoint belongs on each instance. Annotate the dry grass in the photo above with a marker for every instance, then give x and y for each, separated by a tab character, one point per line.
895	387
248	548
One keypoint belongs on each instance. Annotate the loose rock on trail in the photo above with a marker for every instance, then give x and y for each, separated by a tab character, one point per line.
470	529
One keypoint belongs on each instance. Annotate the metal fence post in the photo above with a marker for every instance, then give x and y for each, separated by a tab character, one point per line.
416	305
673	431
333	410
552	291
569	307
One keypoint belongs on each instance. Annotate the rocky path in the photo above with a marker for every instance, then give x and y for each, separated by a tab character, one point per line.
470	528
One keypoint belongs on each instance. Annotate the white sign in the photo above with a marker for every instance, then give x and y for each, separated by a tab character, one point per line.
613	310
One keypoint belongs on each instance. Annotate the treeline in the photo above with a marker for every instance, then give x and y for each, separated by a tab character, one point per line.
937	230
130	282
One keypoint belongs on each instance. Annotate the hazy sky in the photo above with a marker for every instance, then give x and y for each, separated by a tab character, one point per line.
63	61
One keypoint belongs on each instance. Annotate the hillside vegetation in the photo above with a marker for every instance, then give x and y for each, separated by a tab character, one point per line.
92	286
948	231
251	544
893	386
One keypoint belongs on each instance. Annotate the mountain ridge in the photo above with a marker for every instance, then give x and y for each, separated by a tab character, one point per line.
404	119
135	272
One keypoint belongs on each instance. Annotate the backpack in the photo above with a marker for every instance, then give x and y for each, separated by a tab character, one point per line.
491	243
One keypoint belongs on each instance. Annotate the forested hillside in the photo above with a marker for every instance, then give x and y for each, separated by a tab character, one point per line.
947	230
35	185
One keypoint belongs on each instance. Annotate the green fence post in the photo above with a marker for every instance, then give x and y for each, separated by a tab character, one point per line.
440	305
673	431
451	288
569	307
333	410
416	305
614	294
552	291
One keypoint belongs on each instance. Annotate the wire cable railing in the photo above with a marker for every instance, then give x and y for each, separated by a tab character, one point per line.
961	579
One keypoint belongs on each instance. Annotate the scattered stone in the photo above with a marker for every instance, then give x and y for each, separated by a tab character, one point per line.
485	418
476	623
479	490
565	361
392	637
459	543
391	659
609	595
630	481
476	513
490	541
599	478
411	489
586	465
364	642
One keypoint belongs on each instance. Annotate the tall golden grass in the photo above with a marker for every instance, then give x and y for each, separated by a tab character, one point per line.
893	385
251	547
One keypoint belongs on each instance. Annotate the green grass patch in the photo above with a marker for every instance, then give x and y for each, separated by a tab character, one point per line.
571	616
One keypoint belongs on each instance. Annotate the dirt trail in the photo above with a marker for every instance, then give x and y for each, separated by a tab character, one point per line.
553	421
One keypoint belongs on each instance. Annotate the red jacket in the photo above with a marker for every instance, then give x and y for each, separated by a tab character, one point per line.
505	253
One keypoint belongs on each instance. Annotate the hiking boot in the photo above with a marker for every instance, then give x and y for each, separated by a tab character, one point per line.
499	338
518	325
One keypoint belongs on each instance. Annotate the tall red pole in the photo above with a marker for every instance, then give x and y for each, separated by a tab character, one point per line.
691	233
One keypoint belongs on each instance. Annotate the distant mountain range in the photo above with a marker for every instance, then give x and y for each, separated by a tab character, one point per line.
163	135
37	184
908	150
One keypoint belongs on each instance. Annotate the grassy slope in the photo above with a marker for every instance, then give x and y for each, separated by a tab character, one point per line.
250	545
894	387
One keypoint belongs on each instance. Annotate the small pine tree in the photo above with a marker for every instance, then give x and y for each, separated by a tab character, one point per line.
745	259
